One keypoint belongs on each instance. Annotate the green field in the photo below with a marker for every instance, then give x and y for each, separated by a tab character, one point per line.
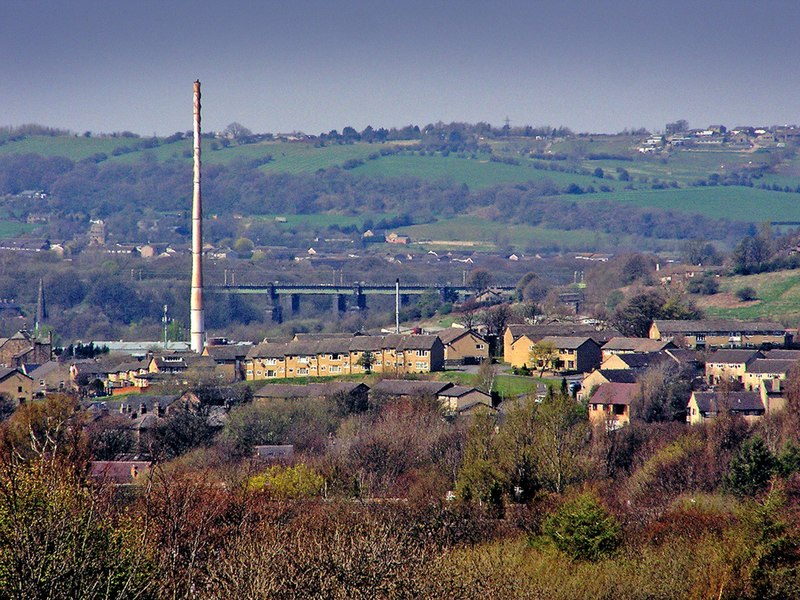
729	202
475	173
778	297
75	148
288	157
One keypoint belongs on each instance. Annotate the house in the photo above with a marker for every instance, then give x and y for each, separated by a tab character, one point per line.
729	365
706	405
571	355
770	371
229	358
638	361
459	399
119	472
274	452
52	376
600	376
356	393
519	339
630	345
463	346
719	333
610	405
25	347
16	385
409	388
394	353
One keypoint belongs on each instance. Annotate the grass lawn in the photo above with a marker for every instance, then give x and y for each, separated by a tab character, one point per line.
505	385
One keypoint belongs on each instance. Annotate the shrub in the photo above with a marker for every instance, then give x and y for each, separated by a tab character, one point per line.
747	294
582	529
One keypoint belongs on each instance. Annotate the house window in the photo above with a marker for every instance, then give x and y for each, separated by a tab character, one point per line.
421	366
571	364
302	371
322	368
270	373
335	369
258	372
19	389
479	346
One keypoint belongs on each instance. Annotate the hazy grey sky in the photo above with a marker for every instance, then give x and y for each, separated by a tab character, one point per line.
593	65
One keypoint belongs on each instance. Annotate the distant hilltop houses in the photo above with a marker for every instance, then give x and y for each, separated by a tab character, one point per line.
677	135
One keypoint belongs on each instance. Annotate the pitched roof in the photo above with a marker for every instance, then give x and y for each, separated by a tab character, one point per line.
770	366
643	360
567	343
615	393
633	344
451	334
619	375
6	373
410	387
461	390
780	353
310	390
733	357
734	401
537	332
717	326
228	351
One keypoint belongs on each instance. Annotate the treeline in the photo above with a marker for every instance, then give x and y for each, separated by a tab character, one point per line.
125	193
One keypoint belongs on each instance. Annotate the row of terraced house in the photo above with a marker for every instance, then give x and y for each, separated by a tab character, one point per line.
391	354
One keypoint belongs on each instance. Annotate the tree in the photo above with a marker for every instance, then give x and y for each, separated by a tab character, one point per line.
751	469
495	319
487	374
634	316
480	477
582	529
58	540
237	131
561	435
543	356
366	361
479	280
244	247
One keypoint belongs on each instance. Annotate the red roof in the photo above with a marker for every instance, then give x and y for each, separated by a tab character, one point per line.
615	393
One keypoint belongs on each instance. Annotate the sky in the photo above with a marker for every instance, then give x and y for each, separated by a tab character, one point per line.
313	66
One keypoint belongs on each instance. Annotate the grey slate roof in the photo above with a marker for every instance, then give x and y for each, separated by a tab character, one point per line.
722	326
770	366
732	357
410	387
733	401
